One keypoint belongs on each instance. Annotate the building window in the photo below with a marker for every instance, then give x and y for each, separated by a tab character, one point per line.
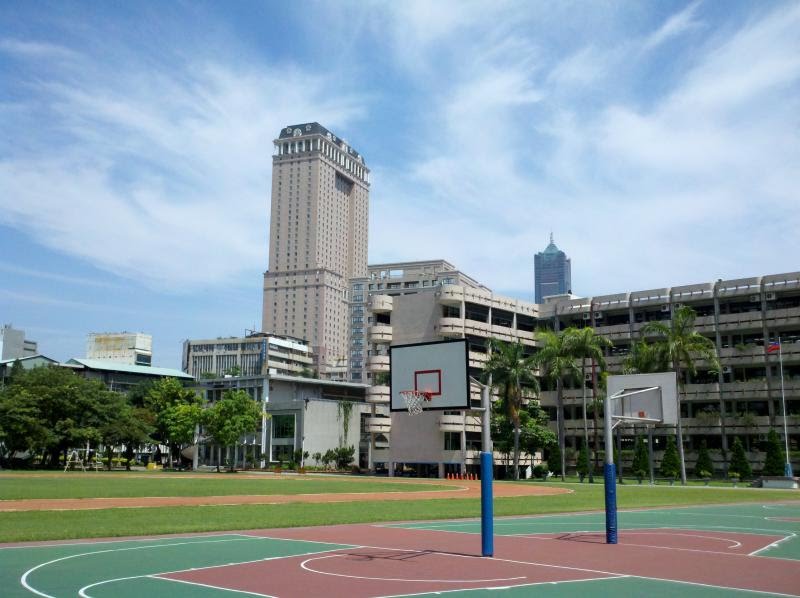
283	426
452	441
282	452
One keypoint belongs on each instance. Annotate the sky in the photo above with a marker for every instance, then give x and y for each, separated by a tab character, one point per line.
658	141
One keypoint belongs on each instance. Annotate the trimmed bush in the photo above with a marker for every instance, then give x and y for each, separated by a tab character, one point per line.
670	463
582	465
739	463
641	460
703	465
776	457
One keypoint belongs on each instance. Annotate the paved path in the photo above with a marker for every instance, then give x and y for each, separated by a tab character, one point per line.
459	489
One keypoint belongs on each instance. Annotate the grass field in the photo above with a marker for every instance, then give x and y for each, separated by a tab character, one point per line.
52	525
123	484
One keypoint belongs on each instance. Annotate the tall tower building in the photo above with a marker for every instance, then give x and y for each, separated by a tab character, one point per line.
552	272
318	240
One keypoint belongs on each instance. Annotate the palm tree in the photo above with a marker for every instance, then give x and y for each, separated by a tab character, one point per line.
588	345
558	359
680	345
644	358
511	370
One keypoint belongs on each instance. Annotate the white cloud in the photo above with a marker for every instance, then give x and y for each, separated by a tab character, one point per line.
676	25
644	184
158	177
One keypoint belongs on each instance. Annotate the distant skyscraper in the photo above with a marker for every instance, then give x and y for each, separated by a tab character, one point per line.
552	272
318	240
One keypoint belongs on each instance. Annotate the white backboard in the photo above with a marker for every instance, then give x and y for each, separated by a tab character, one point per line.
660	404
439	368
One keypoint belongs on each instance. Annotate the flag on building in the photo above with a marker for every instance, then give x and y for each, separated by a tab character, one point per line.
774	346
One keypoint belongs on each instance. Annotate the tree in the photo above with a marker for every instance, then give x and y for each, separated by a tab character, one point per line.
125	425
583	462
534	432
230	418
559	362
679	345
511	371
641	460
644	358
554	457
704	467
670	462
739	465
776	457
53	409
588	345
177	412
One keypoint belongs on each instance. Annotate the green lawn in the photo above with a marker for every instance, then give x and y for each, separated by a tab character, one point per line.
122	484
52	525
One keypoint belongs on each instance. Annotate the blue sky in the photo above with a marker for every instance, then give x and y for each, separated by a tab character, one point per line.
659	141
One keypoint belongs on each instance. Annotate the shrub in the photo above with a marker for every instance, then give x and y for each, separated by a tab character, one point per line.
540	471
670	463
641	459
554	459
703	463
776	457
582	466
739	464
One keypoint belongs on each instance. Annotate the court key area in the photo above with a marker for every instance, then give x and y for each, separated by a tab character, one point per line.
697	551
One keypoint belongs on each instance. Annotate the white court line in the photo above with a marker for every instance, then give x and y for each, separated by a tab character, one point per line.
304	565
773	545
83	591
156	575
206	585
24	579
238	538
521	585
709	585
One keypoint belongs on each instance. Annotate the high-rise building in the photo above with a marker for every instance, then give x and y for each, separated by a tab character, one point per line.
552	272
133	348
14	345
318	240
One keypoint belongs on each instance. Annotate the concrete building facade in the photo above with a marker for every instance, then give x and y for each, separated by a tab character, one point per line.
739	316
133	348
552	272
318	240
305	414
14	345
252	355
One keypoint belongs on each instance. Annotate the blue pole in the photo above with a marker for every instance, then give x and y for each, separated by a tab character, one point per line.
610	474
487	516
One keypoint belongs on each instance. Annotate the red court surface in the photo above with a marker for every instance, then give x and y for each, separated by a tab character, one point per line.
392	561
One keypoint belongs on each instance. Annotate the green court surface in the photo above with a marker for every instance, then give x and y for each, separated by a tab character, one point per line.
127	568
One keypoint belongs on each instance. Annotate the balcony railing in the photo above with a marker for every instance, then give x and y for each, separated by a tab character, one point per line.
379	425
380	333
377	394
381	304
378	363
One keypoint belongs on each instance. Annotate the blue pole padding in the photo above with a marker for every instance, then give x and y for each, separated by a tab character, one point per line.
487	515
787	470
610	474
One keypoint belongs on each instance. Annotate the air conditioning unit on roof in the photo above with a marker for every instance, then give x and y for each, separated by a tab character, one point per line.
755	298
726	369
771	296
586	316
665	309
598	315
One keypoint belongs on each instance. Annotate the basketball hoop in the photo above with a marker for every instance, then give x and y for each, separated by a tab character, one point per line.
414	399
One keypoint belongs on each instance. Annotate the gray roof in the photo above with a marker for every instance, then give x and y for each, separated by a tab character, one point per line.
144	370
37	356
317	129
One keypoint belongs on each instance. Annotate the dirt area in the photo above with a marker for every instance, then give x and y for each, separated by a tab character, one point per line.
458	489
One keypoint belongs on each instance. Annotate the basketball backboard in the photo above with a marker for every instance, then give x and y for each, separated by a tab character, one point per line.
439	369
650	398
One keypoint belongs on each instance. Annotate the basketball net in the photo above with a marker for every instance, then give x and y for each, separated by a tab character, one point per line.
414	400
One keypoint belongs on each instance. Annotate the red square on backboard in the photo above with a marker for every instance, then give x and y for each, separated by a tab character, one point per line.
429	381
